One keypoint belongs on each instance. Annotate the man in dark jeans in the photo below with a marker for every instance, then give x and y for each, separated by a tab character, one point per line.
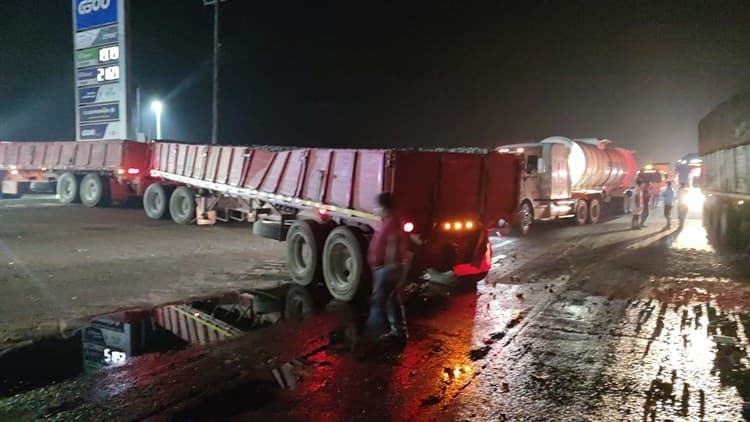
387	256
646	202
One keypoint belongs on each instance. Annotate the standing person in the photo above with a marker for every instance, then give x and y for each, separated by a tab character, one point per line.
682	207
638	206
387	256
628	200
646	193
668	197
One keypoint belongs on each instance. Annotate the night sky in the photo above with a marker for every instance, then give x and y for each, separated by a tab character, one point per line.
387	74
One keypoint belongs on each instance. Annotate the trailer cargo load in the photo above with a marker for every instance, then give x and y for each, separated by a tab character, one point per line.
323	202
93	172
724	145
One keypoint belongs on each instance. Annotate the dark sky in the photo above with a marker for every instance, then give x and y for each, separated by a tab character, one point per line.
381	74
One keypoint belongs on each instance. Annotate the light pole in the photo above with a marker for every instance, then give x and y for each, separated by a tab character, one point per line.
215	97
157	107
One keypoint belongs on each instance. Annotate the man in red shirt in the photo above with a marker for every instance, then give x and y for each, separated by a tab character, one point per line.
387	256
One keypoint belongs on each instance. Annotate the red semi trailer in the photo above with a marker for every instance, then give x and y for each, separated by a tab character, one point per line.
322	202
94	173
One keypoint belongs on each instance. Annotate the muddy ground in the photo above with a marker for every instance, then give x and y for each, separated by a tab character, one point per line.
573	323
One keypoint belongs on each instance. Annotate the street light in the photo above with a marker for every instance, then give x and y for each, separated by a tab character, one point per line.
157	107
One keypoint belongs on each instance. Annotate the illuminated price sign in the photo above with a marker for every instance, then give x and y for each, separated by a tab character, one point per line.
114	357
109	73
108	54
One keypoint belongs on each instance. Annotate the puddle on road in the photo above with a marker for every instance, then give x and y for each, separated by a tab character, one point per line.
690	358
115	339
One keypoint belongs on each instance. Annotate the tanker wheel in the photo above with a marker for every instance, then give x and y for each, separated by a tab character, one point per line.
582	213
595	211
299	304
344	266
67	188
93	191
182	205
303	247
525	217
155	201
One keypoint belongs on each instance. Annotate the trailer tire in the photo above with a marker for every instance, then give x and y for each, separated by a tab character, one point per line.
94	191
595	211
299	304
582	213
156	201
67	188
182	205
525	217
344	265
303	246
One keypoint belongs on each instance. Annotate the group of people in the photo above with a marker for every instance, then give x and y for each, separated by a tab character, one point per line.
644	198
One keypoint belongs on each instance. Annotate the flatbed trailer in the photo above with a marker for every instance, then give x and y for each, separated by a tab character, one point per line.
323	203
94	173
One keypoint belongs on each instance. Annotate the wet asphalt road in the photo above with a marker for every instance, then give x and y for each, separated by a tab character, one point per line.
573	323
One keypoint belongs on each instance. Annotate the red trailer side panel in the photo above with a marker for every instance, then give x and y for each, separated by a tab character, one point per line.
212	163
11	157
259	164
199	167
238	165
316	175
291	180
52	155
502	189
25	154
275	172
339	190
225	161
37	159
3	153
368	179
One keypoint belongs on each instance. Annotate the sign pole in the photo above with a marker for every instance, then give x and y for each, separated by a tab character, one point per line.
215	105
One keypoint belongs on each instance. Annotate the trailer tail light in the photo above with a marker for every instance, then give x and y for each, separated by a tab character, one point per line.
458	225
131	171
408	227
322	212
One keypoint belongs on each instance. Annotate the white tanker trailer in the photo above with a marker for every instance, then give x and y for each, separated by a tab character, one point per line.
577	178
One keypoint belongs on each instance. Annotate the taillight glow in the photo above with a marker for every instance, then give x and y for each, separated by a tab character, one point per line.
458	225
134	171
446	226
120	171
408	227
322	212
469	224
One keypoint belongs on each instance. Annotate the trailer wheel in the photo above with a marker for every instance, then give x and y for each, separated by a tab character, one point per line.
303	246
344	266
93	191
182	205
595	211
155	201
299	304
67	188
582	213
525	217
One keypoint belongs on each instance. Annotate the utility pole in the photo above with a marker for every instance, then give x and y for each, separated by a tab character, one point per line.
215	99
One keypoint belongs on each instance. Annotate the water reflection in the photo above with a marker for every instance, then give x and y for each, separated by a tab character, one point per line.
115	339
692	236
